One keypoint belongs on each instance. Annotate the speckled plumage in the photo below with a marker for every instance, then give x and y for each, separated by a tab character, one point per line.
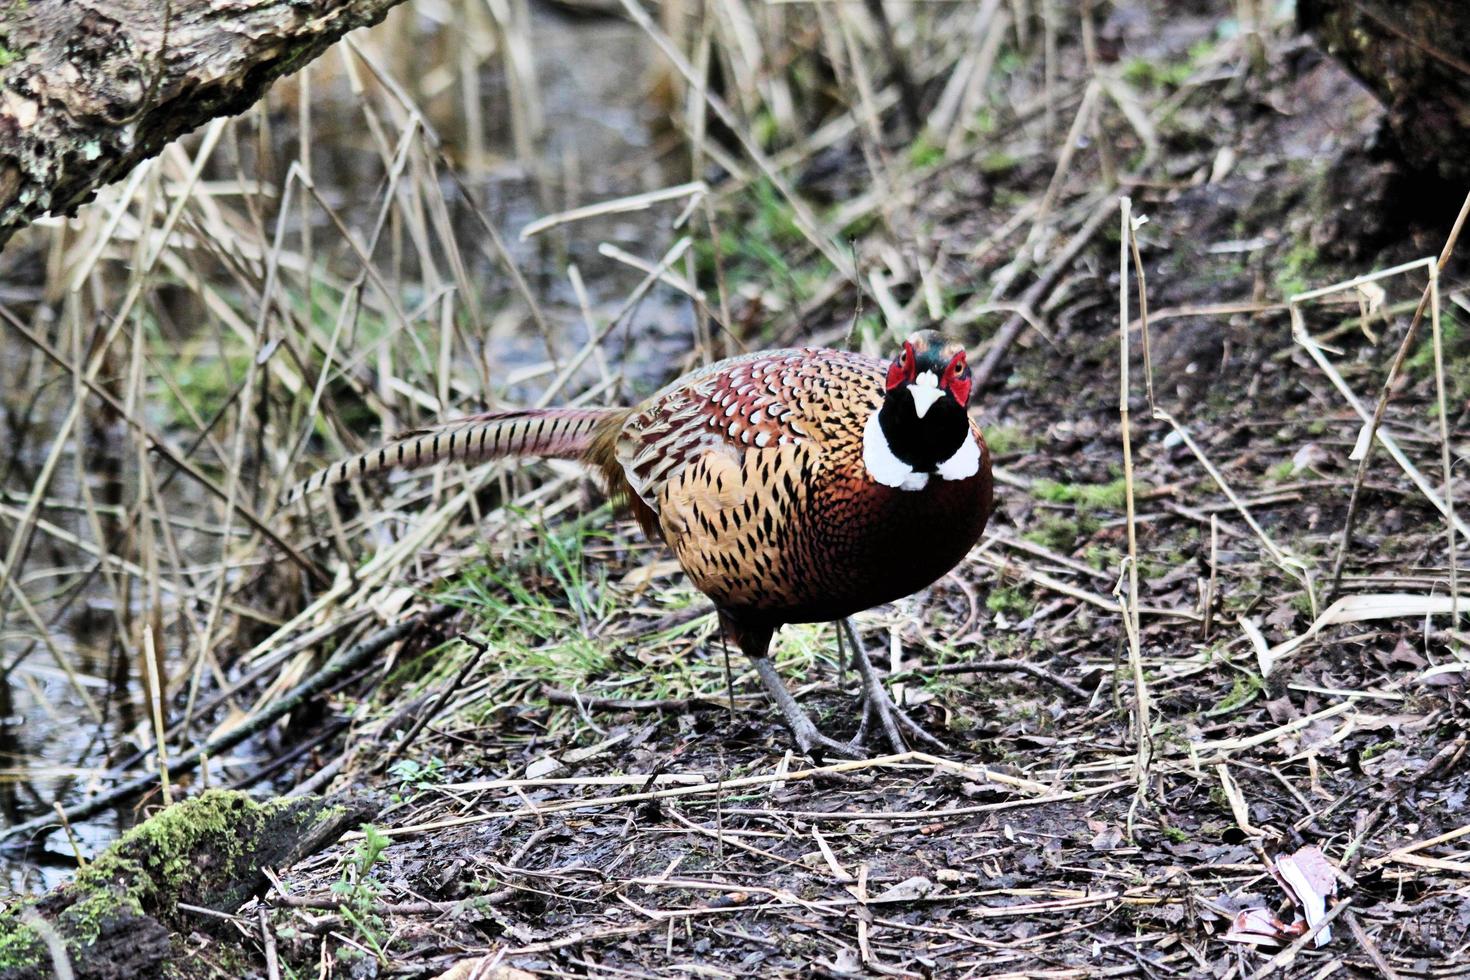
753	471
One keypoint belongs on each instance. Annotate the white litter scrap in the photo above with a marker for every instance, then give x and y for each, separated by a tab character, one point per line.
1309	880
1354	609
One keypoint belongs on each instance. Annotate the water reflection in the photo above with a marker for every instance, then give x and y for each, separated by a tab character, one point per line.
72	708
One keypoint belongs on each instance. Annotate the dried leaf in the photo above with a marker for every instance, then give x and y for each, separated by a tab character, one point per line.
909	890
1309	456
1358	609
1259	927
483	968
1106	836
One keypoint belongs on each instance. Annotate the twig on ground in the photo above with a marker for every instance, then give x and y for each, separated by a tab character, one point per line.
432	711
998	667
656	705
1385	393
1001	343
339	666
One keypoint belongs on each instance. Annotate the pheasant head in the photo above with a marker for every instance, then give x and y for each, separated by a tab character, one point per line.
922	429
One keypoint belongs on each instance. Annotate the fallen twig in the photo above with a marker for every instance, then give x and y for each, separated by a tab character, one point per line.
556	695
331	672
998	667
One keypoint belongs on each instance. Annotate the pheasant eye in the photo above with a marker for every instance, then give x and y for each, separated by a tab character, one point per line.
957	378
903	367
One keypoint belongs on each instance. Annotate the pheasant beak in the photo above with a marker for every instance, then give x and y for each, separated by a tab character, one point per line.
926	392
929	370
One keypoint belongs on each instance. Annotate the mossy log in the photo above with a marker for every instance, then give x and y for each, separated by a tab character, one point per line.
117	917
89	88
1415	57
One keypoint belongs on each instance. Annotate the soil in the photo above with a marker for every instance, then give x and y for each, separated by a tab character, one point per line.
1047	841
1038	850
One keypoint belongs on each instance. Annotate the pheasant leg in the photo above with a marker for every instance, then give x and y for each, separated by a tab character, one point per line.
877	699
803	731
861	738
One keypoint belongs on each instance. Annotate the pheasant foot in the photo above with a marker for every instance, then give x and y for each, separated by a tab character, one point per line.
811	741
877	700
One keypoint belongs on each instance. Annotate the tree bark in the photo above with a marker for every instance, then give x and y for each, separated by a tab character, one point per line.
1415	56
89	88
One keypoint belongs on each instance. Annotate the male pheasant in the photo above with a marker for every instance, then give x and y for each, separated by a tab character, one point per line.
793	486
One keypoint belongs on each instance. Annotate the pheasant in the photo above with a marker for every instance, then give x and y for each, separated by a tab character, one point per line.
793	486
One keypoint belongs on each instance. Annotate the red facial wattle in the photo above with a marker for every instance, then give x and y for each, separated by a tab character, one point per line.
904	368
956	379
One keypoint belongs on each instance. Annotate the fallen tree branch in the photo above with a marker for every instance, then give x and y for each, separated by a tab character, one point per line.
90	88
1000	343
998	667
115	918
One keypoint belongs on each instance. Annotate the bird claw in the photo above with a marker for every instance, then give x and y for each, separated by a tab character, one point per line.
876	700
808	739
817	746
894	720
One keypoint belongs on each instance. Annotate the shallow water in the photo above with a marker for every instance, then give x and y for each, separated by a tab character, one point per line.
598	142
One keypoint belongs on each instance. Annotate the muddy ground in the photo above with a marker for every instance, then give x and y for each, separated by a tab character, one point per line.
1034	849
590	804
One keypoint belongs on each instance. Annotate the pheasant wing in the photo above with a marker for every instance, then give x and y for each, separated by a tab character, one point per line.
755	401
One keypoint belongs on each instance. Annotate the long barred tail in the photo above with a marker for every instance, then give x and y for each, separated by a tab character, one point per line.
557	433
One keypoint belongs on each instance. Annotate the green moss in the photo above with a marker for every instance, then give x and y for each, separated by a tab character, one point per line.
1378	748
1055	532
861	226
1241	694
997	162
1006	439
1281	472
325	813
1176	835
1296	266
765	128
1420	364
924	152
1172	737
1154	567
1102	557
143	872
1157	73
20	945
1086	496
84	918
1010	601
158	858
